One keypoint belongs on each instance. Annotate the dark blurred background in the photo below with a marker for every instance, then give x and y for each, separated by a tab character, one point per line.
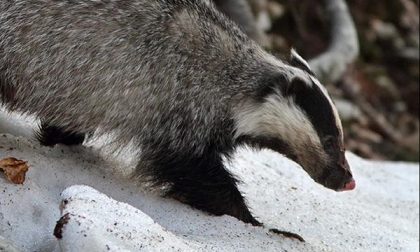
378	96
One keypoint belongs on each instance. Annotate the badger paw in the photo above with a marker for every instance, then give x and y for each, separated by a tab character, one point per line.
287	234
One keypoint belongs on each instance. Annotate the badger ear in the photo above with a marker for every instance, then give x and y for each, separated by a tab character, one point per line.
297	61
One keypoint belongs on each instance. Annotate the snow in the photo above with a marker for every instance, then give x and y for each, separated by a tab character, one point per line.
117	229
382	214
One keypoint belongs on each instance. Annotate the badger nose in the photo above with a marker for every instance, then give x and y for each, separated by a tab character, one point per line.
349	185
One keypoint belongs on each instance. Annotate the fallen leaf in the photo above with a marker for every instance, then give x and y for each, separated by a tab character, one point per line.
14	169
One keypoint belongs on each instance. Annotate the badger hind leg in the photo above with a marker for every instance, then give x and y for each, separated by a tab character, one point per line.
201	182
7	92
49	135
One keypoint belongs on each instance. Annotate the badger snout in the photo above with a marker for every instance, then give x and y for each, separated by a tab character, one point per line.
338	179
351	185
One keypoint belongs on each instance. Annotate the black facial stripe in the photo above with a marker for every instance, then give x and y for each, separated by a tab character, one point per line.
325	174
317	107
269	83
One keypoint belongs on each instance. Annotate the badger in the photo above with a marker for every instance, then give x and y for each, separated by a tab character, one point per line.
176	77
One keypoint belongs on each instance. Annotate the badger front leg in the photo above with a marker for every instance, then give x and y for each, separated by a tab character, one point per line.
205	184
201	182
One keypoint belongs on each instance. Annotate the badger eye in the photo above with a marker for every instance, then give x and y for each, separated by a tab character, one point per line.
329	141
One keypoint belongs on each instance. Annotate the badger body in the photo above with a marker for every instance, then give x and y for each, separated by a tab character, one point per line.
177	78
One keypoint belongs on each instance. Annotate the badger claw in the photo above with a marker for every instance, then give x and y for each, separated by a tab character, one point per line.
287	234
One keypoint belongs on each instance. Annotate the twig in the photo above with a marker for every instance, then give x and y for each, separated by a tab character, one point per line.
240	12
344	45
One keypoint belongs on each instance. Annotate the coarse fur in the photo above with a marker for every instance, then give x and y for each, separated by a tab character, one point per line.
177	78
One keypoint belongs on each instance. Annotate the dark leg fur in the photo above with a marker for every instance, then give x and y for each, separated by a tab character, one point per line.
7	92
47	135
50	135
203	183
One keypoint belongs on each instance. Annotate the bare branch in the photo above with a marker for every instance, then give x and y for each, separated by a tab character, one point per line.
344	45
329	66
240	12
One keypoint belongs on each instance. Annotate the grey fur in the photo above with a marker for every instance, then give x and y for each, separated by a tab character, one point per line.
173	76
118	66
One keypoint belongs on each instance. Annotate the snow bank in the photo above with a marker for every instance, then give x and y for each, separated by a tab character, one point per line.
91	221
382	214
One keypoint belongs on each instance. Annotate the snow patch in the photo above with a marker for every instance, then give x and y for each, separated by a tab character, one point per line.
91	221
382	214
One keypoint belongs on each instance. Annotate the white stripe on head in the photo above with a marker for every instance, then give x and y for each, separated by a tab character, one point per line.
276	117
292	72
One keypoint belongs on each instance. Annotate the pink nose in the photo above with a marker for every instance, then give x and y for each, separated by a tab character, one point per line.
350	185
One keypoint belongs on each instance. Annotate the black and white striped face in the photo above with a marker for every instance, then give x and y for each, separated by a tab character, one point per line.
294	115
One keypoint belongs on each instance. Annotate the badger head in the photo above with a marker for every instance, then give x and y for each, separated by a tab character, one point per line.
292	113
